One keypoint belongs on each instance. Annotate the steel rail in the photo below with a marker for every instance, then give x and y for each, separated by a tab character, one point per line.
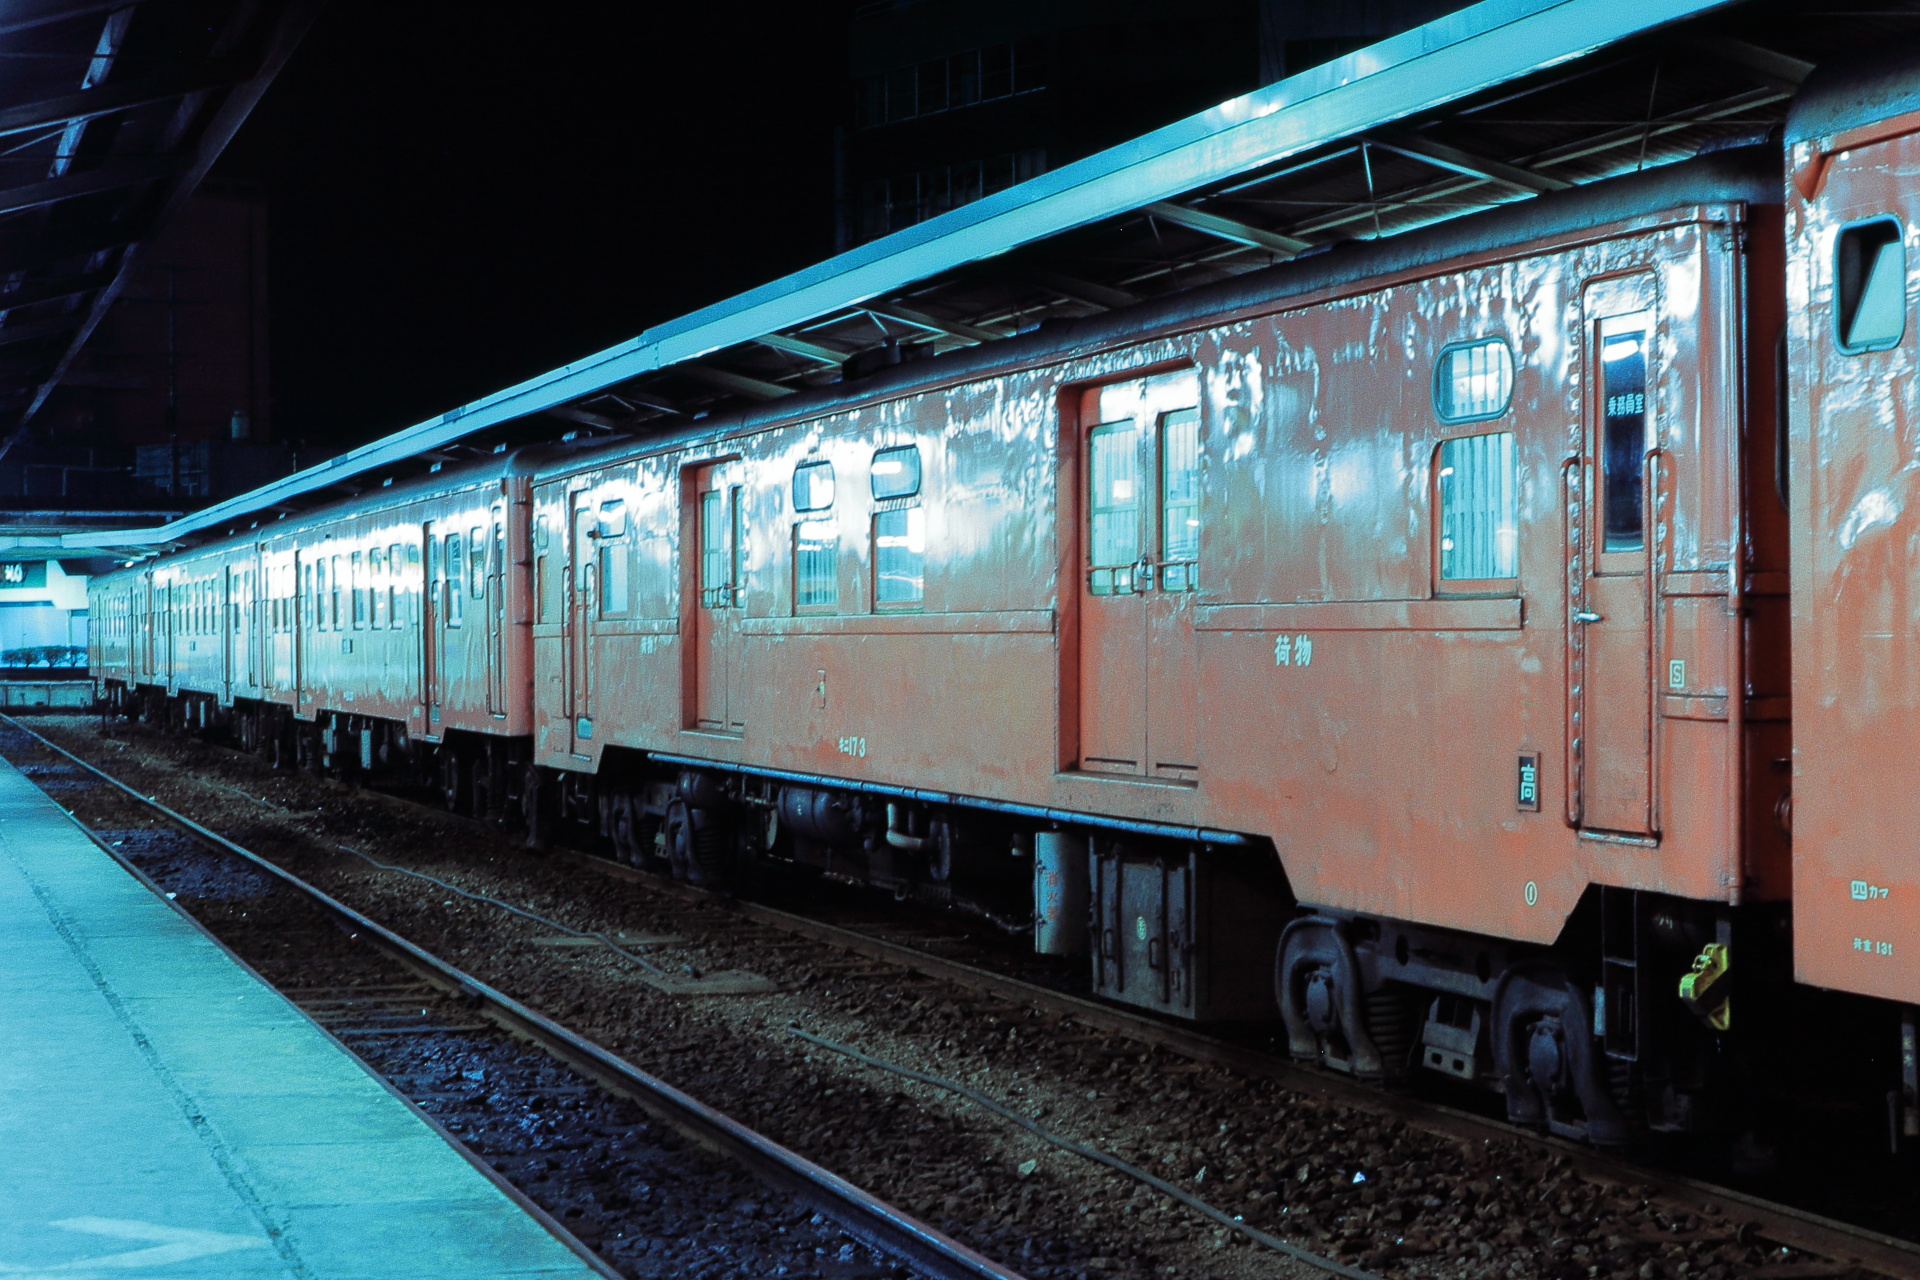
860	1213
1779	1223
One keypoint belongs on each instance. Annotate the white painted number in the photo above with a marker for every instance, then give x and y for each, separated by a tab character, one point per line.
1292	651
1872	947
1531	893
855	747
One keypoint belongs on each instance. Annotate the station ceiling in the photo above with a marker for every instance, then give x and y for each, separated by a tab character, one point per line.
111	113
1497	103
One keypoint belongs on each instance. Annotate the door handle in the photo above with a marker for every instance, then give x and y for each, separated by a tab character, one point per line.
1585	616
1143	570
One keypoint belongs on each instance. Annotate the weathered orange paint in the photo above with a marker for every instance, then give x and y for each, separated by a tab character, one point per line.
1383	767
1856	609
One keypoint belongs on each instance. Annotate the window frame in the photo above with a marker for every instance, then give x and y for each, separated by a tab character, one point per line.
833	485
1437	379
907	507
1839	240
1457	588
919	473
812	608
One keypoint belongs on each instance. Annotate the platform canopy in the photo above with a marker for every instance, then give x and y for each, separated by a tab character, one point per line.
1498	102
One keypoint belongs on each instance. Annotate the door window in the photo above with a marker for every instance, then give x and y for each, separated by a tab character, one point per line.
715	587
1180	500
1623	432
1113	533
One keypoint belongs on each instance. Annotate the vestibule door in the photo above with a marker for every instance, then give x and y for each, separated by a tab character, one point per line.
1139	669
719	596
1610	669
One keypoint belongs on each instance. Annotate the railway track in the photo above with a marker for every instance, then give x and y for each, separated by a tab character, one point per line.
357	1013
1840	1245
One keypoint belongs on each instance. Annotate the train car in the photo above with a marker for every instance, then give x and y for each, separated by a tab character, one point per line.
389	633
1429	573
1852	208
1395	641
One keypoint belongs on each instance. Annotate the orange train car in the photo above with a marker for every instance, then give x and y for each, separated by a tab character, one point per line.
390	632
1852	205
1395	642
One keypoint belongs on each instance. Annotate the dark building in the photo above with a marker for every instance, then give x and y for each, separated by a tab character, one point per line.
168	404
956	99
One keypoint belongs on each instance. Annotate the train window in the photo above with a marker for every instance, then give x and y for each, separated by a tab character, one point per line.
337	583
896	472
455	565
1113	520
1623	443
1479	507
714	561
1870	286
1180	500
313	597
359	585
813	486
477	561
899	556
614	555
1473	380
816	571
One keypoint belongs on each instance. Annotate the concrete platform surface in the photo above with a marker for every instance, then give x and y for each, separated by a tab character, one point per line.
163	1113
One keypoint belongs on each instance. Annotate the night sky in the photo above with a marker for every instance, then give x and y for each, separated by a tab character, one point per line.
463	196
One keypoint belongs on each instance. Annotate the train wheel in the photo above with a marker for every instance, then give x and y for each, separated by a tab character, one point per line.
533	808
623	828
1544	1051
453	781
678	826
1317	982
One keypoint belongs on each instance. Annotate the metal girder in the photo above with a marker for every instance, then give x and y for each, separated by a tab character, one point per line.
1784	70
801	347
111	176
649	400
728	380
932	324
1225	228
25	17
568	413
1104	296
109	98
53	290
1473	166
33	330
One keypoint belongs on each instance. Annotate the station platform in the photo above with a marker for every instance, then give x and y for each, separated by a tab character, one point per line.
164	1113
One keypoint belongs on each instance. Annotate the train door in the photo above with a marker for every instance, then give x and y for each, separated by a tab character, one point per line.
143	623
719	523
1610	676
495	604
1139	665
306	607
231	660
436	586
582	587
